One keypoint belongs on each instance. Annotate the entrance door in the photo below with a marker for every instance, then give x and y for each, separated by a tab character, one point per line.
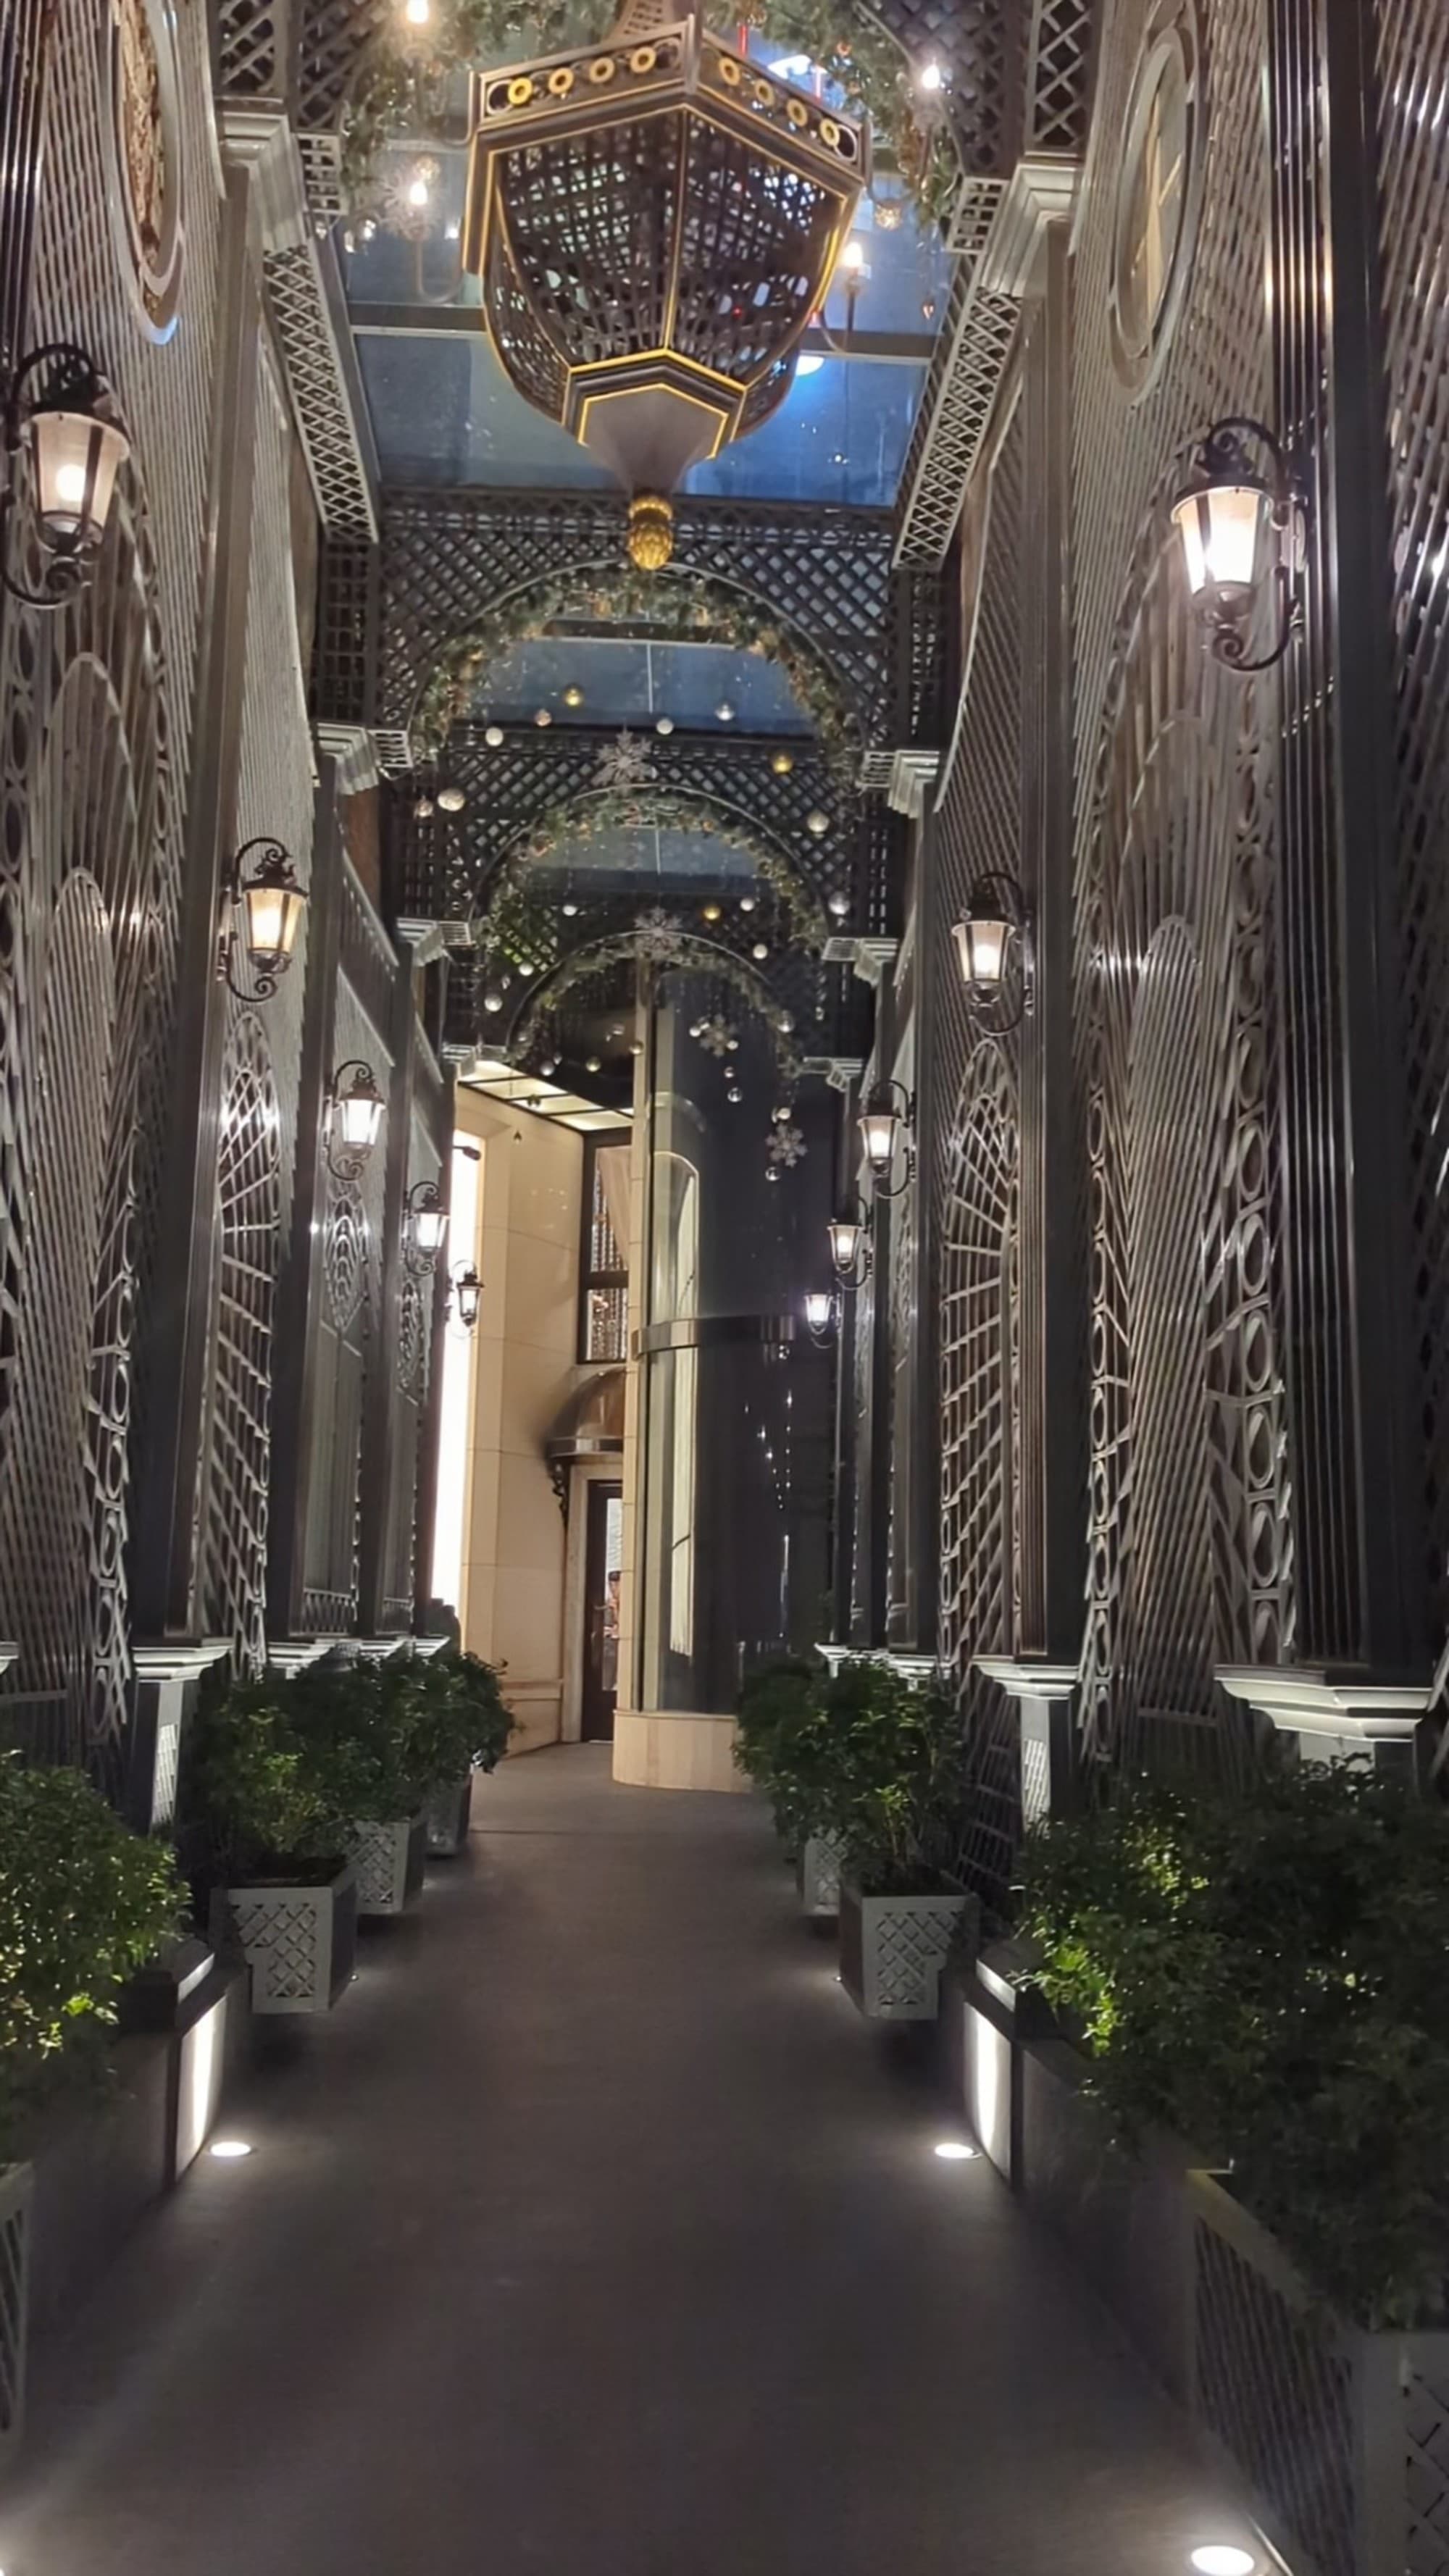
602	1549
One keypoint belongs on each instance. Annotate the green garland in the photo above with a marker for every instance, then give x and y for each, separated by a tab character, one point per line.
696	957
661	809
681	602
397	81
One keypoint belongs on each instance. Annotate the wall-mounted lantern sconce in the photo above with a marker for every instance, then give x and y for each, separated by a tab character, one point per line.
1241	520
58	417
996	916
820	1316
263	906
425	1225
885	1126
354	1118
466	1294
849	1239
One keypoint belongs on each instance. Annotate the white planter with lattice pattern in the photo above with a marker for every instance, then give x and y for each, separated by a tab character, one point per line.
15	2193
446	1816
893	1948
299	1942
817	1876
388	1860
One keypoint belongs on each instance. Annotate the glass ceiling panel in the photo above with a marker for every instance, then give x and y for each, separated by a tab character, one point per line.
635	684
443	412
631	862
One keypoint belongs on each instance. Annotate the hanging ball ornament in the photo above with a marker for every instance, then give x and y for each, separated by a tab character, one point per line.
817	823
651	531
782	762
542	716
759	950
451	800
838	904
493	736
423	809
664	724
573	695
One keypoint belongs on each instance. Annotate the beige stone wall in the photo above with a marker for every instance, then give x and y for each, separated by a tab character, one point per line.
524	1371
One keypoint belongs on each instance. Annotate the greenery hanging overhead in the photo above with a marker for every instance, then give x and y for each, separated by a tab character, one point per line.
676	603
652	809
401	86
688	955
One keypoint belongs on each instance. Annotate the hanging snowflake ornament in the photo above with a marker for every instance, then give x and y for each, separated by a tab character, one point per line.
623	765
717	1037
408	206
785	1147
658	935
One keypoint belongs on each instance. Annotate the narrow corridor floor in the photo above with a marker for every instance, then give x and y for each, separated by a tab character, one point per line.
594	2235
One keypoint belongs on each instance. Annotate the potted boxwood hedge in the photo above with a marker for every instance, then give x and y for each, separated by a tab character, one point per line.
1263	1974
84	1903
266	1824
891	1792
356	1718
452	1712
781	1741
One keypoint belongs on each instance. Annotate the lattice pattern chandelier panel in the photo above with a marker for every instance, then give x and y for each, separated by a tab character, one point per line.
654	223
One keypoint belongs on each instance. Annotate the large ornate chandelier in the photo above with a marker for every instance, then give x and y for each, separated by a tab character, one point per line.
654	220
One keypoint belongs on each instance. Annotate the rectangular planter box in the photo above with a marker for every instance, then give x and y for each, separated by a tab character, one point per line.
893	1948
446	1816
817	1876
15	2193
388	1860
1337	2439
299	1942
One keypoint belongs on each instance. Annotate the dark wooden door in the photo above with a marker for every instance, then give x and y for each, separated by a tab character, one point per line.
601	1609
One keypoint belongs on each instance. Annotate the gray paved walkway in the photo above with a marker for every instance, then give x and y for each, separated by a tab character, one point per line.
594	2235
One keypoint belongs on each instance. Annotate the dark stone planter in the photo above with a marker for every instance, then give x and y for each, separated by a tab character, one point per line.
446	1816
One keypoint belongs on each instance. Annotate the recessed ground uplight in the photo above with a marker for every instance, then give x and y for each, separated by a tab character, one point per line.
954	2151
1221	2559
229	2150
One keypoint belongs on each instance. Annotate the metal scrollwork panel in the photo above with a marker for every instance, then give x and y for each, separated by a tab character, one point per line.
980	1441
1413	67
249	1223
1190	1522
89	887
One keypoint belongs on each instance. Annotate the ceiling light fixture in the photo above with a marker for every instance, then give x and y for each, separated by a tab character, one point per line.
656	381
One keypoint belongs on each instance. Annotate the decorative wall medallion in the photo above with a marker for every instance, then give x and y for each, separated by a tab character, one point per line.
1159	194
140	81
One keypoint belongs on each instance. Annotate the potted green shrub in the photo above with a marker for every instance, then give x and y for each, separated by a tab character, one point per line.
267	1822
891	1791
356	1722
782	1742
84	1903
1263	1974
455	1725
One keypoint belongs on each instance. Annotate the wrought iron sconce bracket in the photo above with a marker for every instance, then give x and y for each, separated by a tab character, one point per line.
1240	457
997	900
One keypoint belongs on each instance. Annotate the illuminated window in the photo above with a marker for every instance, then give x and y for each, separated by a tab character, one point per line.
604	1290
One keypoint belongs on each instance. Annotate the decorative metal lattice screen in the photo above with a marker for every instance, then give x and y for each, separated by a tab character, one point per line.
249	1223
973	1166
1413	69
94	763
1177	824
